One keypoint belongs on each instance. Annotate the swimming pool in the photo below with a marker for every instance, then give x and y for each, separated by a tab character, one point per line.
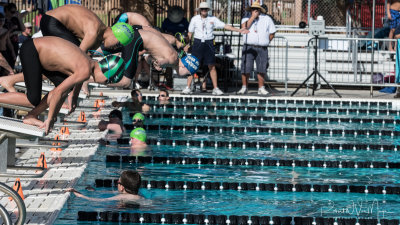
253	161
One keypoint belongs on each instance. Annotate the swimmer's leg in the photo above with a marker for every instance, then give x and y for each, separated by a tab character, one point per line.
8	82
15	98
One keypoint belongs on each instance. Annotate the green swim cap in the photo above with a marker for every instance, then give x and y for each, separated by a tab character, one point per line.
139	133
138	116
113	68
123	32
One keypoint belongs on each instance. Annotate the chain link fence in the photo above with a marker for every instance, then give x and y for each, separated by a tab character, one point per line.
292	12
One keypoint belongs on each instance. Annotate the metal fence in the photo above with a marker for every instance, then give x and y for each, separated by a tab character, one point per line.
347	61
341	61
278	62
286	12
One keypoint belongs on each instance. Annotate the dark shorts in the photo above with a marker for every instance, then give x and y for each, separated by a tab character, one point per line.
204	51
50	26
395	21
397	31
33	70
130	53
257	53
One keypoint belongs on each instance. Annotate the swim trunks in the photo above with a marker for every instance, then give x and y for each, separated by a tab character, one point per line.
50	26
32	69
130	53
395	21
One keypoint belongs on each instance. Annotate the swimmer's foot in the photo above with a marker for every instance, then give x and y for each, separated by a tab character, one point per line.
5	83
85	89
31	120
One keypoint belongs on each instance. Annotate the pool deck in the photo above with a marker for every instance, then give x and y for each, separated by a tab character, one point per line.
45	197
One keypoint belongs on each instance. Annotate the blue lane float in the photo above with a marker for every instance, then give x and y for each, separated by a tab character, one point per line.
244	186
181	218
250	162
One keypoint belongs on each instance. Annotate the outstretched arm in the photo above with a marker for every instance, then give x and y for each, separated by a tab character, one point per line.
242	30
80	195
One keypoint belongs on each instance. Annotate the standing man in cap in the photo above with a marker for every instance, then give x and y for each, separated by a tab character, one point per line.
203	48
262	31
26	34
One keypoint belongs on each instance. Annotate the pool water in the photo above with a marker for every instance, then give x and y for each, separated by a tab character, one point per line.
335	206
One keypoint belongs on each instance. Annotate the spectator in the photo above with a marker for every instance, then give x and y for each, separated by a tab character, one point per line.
6	69
203	48
14	24
36	22
393	14
175	21
128	188
26	35
262	31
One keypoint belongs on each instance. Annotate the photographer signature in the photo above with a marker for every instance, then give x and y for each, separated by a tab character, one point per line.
356	208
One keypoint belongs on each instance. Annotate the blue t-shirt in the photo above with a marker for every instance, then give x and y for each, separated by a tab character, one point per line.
173	28
23	38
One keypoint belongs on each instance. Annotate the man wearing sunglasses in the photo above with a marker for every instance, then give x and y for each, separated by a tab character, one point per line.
202	26
163	97
262	31
26	35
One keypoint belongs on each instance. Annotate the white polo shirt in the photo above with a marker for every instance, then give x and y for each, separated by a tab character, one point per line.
203	28
260	30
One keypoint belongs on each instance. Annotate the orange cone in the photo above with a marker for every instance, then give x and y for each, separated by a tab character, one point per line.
18	188
64	131
57	138
42	161
101	102
96	104
82	117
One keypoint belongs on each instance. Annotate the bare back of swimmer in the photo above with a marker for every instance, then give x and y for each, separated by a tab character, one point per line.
82	23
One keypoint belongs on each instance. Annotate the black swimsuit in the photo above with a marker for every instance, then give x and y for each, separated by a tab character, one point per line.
50	26
32	69
130	53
